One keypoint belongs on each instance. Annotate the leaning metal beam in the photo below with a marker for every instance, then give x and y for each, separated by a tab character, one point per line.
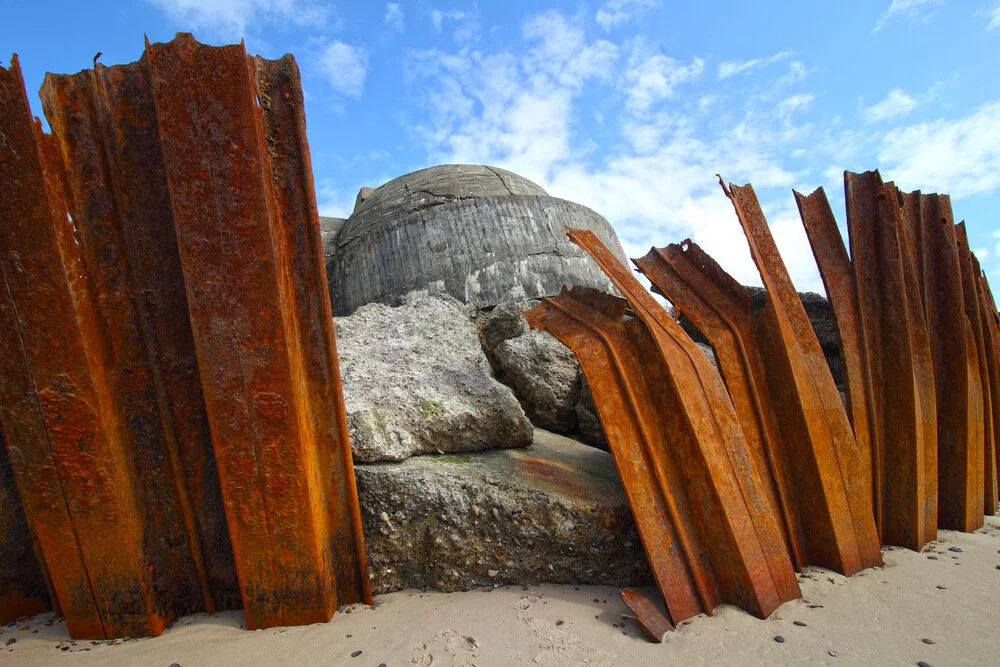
719	308
710	532
812	417
165	240
978	307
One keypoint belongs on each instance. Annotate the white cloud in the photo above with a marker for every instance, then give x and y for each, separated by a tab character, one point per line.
394	17
896	103
994	16
911	10
981	253
230	18
466	23
562	51
790	105
960	157
614	13
653	78
344	67
733	67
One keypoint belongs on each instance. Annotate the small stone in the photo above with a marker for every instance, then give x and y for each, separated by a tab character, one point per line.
175	664
384	516
927	641
492	573
944	588
10	641
779	639
957	550
799	623
923	664
932	558
356	654
815	606
496	514
381	664
560	622
833	654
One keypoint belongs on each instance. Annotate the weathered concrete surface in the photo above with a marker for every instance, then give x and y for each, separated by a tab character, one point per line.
416	381
471	231
554	512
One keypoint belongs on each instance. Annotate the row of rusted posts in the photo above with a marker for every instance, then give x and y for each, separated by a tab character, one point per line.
170	401
820	480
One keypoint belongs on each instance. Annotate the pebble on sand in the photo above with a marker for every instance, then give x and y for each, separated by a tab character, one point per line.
356	654
779	639
957	550
799	623
923	664
927	641
833	654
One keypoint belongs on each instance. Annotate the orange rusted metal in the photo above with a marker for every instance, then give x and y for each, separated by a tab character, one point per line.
896	350
649	618
709	528
719	308
976	309
812	418
164	240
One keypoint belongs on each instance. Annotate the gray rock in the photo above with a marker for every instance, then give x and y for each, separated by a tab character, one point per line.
416	381
545	377
587	422
709	352
552	513
471	231
506	321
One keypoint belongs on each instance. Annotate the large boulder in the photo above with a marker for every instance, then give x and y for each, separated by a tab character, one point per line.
416	381
544	375
471	231
555	512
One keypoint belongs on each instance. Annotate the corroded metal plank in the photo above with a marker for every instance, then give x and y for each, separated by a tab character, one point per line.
719	308
23	586
976	309
838	280
898	354
810	411
649	618
959	412
69	451
237	265
165	239
710	532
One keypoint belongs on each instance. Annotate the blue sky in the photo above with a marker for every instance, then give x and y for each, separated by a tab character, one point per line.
628	106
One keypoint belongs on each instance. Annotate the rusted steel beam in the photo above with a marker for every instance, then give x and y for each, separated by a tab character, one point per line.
165	239
719	308
957	384
711	533
282	464
814	423
650	620
976	309
897	350
838	280
23	586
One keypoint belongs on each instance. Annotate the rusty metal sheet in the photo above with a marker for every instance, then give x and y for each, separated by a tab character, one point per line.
838	279
166	237
809	410
957	386
719	308
976	309
649	618
710	532
897	351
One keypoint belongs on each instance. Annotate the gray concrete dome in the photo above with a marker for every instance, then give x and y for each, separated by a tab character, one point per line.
475	232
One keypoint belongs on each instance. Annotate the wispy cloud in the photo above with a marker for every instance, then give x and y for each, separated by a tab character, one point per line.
394	17
896	103
466	23
960	157
910	10
230	18
614	13
652	78
733	67
344	67
994	16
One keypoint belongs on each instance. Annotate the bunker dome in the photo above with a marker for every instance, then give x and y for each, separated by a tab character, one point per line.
477	233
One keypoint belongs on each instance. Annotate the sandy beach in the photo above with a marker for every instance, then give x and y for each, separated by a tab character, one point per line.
938	606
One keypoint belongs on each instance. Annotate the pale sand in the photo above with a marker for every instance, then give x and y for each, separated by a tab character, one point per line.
878	617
